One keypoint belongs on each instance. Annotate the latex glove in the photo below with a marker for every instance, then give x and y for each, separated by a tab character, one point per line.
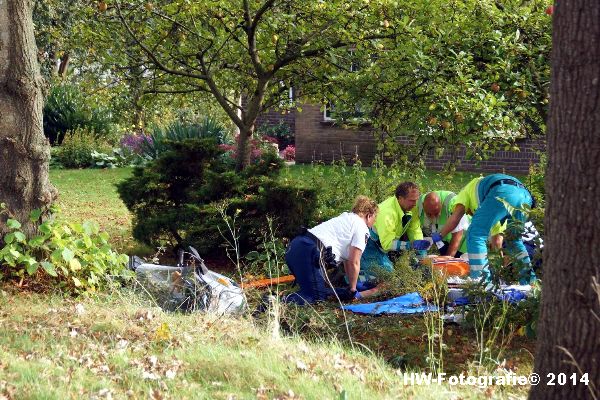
437	239
357	295
420	244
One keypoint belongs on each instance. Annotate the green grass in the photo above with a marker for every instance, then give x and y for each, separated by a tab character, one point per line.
91	194
55	348
431	180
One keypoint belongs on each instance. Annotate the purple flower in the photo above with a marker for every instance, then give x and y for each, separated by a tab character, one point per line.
133	142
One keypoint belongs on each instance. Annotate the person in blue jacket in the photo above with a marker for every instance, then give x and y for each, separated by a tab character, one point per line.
484	198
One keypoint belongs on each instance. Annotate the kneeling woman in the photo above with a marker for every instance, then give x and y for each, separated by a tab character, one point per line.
340	239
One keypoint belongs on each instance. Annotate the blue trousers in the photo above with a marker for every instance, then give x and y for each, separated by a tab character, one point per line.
490	211
303	259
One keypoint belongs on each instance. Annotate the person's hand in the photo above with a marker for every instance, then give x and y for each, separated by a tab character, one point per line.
420	245
357	295
436	237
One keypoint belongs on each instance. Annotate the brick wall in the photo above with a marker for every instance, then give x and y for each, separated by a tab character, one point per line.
273	117
317	140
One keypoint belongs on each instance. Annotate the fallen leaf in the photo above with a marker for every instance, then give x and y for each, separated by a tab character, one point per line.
79	309
301	365
163	333
170	374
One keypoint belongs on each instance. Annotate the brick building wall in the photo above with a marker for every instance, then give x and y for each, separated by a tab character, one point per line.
318	140
272	118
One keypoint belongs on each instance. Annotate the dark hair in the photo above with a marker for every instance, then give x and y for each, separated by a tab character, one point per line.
404	188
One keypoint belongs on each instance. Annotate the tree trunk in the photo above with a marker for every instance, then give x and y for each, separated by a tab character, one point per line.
137	92
569	326
244	148
24	151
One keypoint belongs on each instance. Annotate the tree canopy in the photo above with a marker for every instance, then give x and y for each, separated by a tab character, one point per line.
245	54
473	73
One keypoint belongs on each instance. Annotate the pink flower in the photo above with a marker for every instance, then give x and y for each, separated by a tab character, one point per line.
289	153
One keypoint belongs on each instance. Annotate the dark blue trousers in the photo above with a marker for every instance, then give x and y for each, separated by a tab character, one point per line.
302	258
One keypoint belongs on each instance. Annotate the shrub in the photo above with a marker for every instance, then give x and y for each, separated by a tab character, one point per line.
66	110
175	199
74	257
535	184
116	158
259	146
280	131
535	180
156	144
78	148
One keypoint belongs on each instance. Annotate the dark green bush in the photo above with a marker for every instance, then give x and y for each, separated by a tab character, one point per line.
185	196
66	110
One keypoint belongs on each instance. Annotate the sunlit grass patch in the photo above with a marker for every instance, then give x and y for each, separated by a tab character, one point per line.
120	346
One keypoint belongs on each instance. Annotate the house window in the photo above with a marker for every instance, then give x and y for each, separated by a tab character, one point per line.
328	110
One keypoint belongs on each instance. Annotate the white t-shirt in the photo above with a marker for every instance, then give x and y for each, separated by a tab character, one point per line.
341	232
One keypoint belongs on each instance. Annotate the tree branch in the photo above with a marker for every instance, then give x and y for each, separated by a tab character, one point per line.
150	54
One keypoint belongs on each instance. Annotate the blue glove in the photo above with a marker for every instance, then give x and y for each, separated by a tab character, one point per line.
357	295
436	237
420	245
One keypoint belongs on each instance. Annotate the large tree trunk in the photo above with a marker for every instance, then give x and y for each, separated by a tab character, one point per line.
24	151
569	328
244	148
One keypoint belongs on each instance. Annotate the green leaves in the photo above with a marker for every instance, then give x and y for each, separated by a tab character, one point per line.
76	256
35	215
49	268
13	224
479	77
67	255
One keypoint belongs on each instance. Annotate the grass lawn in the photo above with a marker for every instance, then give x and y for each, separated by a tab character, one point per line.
115	346
433	180
90	194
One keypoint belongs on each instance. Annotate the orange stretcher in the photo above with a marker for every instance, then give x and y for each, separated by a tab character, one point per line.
450	266
268	282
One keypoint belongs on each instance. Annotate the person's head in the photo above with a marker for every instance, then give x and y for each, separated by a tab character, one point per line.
432	205
365	208
407	194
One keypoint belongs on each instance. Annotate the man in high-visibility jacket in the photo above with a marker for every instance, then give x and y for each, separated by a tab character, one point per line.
484	198
434	209
396	228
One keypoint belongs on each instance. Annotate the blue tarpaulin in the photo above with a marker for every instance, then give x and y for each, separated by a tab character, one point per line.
411	303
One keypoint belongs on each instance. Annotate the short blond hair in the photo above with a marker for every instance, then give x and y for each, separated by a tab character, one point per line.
364	206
